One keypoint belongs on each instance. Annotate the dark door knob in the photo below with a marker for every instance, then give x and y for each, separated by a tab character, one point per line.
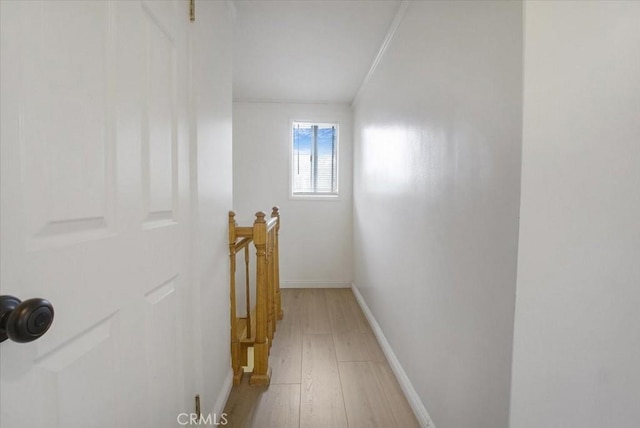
24	321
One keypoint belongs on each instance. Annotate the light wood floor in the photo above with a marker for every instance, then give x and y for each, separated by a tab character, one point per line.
328	371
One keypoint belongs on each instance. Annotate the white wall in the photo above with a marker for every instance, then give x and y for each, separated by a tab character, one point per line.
436	185
211	35
576	360
315	237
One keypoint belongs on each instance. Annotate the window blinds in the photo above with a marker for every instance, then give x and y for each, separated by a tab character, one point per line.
315	158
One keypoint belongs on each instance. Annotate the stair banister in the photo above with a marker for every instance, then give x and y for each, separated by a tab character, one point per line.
268	308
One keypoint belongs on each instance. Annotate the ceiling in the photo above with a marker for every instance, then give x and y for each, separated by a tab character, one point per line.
304	50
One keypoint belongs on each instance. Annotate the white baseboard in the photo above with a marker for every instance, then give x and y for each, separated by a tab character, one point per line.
314	284
223	396
407	387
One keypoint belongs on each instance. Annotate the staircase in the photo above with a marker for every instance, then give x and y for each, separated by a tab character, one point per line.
257	328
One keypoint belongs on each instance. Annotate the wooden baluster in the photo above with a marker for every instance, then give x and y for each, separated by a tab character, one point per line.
247	288
261	371
270	297
276	262
235	342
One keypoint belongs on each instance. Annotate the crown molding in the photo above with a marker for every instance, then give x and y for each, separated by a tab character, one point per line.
284	101
397	19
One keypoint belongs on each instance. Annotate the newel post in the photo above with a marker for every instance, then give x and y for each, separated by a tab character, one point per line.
261	372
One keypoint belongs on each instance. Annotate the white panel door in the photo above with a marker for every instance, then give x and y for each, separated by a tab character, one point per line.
95	214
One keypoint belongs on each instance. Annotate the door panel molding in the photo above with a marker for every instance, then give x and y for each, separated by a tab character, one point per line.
159	127
66	123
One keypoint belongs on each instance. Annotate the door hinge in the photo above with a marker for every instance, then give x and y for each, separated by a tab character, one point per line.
192	10
198	412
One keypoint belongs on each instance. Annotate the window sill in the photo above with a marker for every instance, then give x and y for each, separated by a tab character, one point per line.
334	197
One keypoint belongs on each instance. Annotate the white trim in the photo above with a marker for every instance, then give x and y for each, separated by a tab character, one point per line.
284	101
303	283
315	196
415	402
223	396
397	19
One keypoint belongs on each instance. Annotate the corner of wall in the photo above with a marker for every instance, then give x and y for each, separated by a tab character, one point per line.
418	407
395	23
223	396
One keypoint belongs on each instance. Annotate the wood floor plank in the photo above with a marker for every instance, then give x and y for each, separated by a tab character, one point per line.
321	403
356	346
278	407
286	356
364	398
344	312
293	308
400	408
315	319
337	379
363	324
241	404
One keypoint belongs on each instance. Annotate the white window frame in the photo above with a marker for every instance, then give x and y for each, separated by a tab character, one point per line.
314	196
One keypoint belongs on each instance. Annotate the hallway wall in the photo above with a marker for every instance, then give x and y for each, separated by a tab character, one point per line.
576	359
315	238
436	198
211	133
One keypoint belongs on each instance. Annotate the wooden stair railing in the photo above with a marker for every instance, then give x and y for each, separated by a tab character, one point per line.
258	327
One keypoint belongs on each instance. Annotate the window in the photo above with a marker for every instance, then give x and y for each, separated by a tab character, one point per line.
315	159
